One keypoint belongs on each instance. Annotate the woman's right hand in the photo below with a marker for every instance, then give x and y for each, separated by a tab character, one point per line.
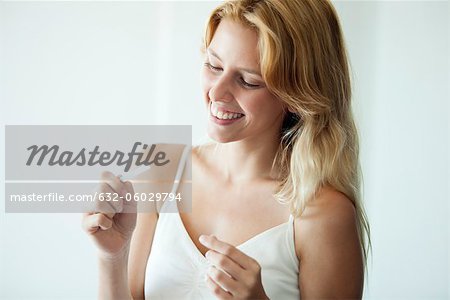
111	223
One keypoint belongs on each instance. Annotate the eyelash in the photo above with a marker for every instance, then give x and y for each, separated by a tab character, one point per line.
242	81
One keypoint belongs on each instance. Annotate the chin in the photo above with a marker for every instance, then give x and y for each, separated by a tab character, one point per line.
220	138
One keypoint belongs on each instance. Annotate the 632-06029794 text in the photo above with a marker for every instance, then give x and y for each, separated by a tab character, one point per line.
58	197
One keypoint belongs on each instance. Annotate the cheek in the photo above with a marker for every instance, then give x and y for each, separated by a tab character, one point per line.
251	107
259	102
262	107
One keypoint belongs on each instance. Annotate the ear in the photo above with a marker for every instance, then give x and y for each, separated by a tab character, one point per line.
286	108
289	110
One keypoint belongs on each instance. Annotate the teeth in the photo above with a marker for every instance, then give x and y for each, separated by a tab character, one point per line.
222	115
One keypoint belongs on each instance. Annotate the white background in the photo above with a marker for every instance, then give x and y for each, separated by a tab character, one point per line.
139	63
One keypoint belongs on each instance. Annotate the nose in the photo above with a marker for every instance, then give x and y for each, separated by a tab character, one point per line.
221	89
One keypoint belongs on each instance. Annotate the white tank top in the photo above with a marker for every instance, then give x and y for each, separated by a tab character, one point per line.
176	268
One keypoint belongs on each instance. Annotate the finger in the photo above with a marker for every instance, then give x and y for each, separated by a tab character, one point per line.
126	192
232	252
129	203
225	263
107	202
115	183
216	289
224	280
97	205
117	189
92	223
107	198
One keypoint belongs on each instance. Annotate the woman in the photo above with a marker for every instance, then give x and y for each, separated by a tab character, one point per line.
276	210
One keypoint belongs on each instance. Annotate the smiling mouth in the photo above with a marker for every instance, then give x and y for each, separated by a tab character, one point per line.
223	114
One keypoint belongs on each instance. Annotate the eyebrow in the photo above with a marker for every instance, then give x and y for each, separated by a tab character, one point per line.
210	51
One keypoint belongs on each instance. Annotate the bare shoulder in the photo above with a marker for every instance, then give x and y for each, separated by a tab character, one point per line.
330	211
327	245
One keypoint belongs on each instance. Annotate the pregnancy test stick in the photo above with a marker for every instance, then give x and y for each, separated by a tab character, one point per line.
134	173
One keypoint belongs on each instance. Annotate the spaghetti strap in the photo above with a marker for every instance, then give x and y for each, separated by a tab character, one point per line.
291	218
180	169
176	183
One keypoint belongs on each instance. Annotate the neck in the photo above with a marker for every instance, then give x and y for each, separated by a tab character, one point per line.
248	160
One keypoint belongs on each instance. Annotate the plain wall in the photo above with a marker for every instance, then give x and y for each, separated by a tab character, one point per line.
400	57
139	63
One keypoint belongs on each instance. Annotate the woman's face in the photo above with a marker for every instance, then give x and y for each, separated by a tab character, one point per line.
239	104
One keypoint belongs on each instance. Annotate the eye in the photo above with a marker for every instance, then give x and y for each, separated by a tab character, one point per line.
213	68
248	85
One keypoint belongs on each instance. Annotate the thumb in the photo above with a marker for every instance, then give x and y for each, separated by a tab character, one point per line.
130	204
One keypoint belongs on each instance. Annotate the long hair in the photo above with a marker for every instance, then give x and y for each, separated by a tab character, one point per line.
304	63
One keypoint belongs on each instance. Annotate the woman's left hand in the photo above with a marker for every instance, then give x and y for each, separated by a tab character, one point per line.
233	274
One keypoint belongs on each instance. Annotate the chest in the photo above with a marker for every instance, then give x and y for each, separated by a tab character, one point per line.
234	213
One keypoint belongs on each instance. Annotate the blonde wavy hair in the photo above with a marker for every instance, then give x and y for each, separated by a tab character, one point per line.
304	63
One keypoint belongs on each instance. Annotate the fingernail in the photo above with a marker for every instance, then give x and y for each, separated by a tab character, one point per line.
202	239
